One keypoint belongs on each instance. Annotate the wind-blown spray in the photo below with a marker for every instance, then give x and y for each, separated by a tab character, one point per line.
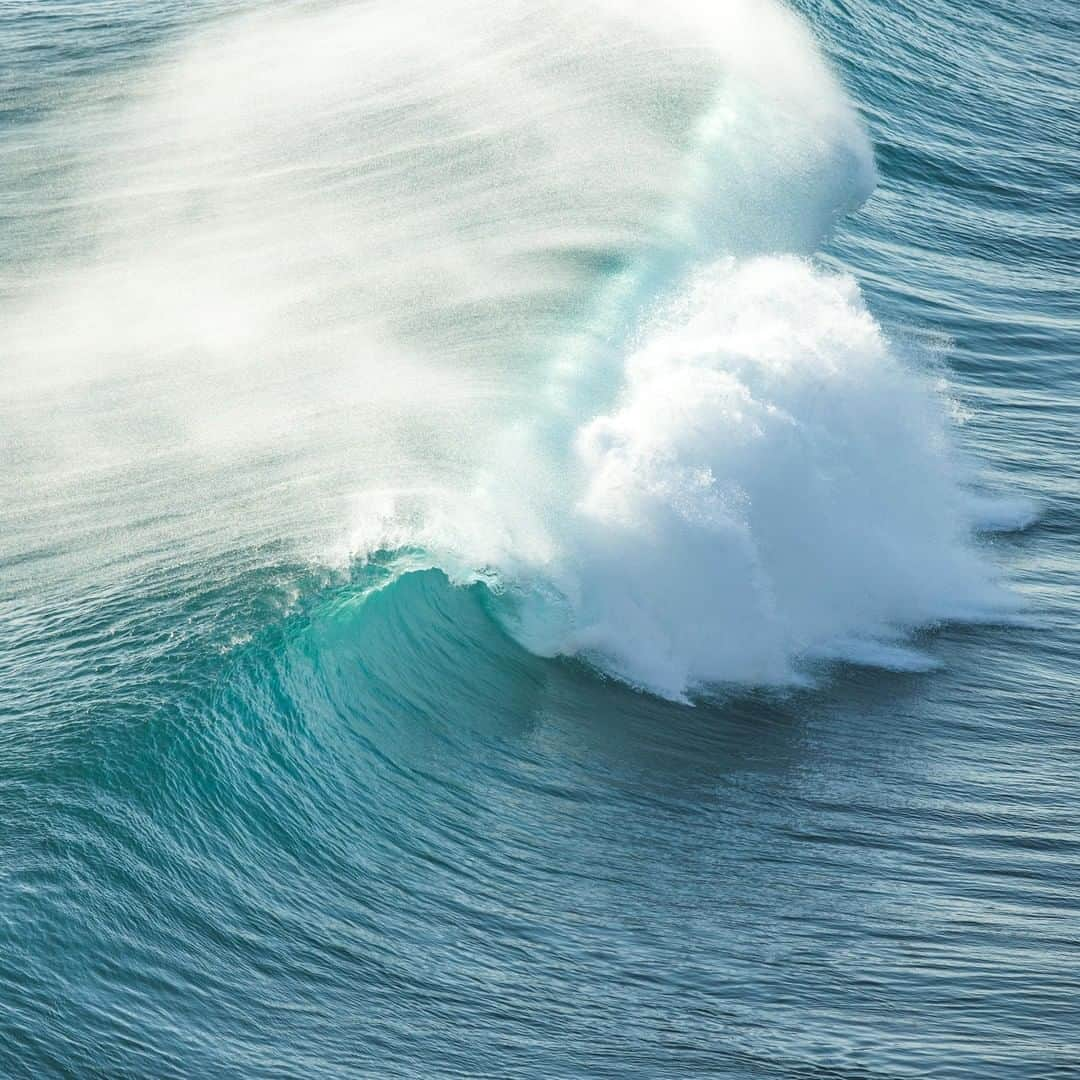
526	289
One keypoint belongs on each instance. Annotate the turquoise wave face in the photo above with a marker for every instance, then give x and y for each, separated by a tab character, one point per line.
517	559
383	825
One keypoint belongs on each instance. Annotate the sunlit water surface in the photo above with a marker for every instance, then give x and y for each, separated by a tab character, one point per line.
539	540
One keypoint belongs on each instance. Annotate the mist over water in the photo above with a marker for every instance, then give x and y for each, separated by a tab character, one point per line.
526	287
409	411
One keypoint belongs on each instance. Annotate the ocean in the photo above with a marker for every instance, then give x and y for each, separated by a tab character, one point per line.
539	539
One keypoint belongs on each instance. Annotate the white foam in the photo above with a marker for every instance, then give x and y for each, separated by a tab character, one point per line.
773	482
524	284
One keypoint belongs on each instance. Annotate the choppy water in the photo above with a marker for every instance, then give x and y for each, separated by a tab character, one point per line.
539	539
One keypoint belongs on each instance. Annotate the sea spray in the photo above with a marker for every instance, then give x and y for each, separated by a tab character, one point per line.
774	485
772	481
523	295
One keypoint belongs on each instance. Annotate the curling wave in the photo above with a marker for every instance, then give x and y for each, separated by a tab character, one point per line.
772	485
530	291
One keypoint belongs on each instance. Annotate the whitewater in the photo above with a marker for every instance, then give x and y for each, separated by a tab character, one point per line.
531	290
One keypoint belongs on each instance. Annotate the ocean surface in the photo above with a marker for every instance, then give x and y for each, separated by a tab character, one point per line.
539	539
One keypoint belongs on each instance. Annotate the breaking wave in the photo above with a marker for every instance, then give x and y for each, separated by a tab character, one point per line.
532	293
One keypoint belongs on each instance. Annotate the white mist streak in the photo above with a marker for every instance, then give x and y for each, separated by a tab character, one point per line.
426	259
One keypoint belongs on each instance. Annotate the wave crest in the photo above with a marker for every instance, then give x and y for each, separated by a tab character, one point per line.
772	485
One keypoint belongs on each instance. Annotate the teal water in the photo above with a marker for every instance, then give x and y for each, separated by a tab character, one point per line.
539	540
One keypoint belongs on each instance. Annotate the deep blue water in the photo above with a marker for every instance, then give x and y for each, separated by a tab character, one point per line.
274	810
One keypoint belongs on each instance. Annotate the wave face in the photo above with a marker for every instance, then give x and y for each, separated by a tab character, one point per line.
409	410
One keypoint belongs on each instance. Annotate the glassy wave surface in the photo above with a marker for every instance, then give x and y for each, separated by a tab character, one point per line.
538	539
